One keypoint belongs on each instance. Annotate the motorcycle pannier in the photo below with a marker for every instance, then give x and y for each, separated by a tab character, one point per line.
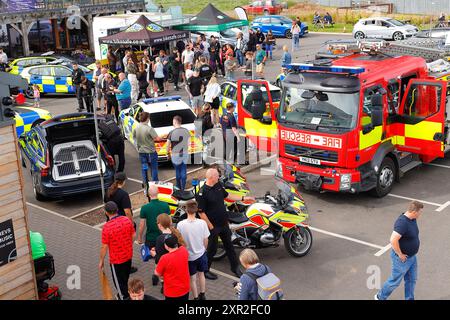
269	286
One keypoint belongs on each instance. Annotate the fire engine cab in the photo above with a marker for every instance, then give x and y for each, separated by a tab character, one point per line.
360	122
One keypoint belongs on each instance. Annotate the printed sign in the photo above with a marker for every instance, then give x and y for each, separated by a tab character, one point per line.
8	252
154	28
135	28
311	139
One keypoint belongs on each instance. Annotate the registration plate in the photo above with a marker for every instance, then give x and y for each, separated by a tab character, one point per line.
310	160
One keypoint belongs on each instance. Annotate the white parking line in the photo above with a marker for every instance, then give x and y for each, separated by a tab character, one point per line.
347	238
442	207
383	251
438	165
412	199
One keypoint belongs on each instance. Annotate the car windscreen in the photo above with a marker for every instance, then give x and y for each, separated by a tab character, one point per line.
285	20
395	22
165	118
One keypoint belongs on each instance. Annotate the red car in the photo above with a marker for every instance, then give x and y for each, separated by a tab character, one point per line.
264	7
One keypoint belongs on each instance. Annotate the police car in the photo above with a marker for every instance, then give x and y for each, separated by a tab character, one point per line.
19	64
229	94
61	156
161	110
28	117
52	78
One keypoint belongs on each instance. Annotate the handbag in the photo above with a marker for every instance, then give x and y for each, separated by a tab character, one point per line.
145	253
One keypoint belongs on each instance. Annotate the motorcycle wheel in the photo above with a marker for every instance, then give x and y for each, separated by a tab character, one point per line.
298	243
220	253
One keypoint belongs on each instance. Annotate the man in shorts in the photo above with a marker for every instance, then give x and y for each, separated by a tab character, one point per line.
194	88
195	232
260	61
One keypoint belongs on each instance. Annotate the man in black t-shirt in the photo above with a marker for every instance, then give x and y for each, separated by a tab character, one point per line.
405	245
194	88
212	209
206	71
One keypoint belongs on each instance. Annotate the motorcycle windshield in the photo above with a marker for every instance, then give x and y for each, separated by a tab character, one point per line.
285	191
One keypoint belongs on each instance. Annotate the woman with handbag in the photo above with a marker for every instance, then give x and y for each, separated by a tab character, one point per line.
270	43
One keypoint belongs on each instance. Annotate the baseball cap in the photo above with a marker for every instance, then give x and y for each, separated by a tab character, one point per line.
120	176
171	241
111	207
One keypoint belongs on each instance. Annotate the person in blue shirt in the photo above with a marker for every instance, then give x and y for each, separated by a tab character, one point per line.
405	246
123	92
286	58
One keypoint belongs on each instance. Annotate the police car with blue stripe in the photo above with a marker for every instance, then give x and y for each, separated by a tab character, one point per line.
28	117
52	78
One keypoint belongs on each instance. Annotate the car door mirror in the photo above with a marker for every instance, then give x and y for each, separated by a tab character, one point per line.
266	120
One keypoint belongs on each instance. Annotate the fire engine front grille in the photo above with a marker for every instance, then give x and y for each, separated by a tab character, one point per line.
319	154
75	160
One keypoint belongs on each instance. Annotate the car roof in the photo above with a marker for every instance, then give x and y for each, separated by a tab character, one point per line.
69	117
271	86
378	18
154	105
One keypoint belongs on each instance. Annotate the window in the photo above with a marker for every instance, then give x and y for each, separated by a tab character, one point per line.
367	105
422	100
40	71
393	94
265	21
231	92
137	110
165	118
223	88
385	24
62	72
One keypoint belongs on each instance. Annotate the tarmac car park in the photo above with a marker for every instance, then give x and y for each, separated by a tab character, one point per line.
61	156
162	110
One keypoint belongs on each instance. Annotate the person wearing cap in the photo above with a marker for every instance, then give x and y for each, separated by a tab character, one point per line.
173	267
117	239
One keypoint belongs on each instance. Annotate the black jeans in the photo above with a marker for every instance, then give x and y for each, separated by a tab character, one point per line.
112	103
116	147
89	103
79	96
225	235
175	78
120	275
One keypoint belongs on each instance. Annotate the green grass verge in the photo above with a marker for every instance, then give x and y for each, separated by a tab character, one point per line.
195	6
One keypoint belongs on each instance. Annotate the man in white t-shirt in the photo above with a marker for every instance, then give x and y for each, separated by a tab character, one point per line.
195	233
188	55
3	57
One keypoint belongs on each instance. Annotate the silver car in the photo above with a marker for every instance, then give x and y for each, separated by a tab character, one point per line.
383	28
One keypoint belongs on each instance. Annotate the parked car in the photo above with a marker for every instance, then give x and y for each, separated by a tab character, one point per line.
19	64
27	118
227	36
52	78
162	110
280	26
264	7
61	155
383	28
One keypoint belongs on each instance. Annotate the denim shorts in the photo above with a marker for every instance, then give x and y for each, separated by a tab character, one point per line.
199	265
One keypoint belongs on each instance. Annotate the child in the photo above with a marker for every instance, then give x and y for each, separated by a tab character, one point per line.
36	95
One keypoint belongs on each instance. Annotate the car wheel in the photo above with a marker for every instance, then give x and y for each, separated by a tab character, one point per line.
37	195
29	92
359	35
397	36
288	34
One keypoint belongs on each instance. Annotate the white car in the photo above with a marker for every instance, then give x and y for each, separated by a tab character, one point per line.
162	110
383	28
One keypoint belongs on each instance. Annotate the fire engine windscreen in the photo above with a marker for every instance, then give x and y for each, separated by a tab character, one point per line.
319	108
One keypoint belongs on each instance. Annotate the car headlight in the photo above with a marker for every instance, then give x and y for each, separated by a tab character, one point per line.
346	181
410	30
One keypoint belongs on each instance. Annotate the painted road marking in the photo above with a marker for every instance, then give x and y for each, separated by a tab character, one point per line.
440	206
347	238
438	165
383	251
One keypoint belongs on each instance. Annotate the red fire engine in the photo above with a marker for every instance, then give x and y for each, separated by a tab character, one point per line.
360	122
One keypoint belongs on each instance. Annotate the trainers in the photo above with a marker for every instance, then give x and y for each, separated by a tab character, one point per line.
210	276
133	269
155	280
376	297
201	296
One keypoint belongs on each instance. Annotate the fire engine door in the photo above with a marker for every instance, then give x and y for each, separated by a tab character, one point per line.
422	114
256	113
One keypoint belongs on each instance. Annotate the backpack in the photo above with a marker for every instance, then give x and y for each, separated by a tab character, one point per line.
108	127
269	286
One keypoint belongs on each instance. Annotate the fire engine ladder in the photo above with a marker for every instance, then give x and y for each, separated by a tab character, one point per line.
429	49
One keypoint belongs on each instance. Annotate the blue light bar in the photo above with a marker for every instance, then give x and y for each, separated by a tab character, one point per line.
161	99
333	69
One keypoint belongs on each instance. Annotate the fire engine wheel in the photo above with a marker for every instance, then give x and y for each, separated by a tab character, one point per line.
359	35
298	242
385	178
397	36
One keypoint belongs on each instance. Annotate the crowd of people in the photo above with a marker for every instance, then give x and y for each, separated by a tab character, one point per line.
183	253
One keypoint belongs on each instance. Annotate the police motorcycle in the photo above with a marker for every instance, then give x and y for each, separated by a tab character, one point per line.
231	178
270	218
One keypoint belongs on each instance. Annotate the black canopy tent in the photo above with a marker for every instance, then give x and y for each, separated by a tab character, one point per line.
144	33
212	19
